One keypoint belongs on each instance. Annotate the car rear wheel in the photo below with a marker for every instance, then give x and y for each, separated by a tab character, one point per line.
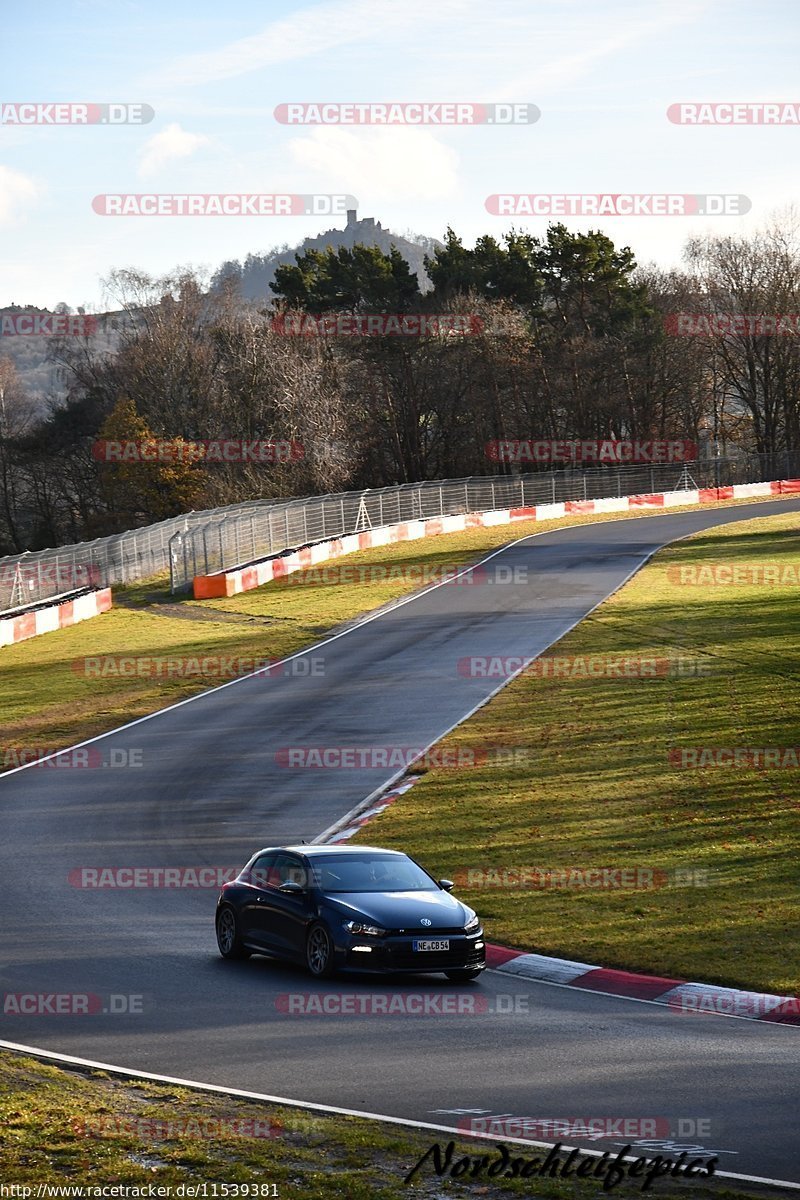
463	975
228	937
319	952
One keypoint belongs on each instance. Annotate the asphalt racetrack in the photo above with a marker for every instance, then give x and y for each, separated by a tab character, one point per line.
213	786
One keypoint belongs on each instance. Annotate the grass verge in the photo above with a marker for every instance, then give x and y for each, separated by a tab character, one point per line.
84	1128
50	698
599	784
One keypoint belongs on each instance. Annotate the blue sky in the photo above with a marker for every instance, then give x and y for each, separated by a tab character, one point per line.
603	75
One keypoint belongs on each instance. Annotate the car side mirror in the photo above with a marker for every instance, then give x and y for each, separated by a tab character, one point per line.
291	888
446	885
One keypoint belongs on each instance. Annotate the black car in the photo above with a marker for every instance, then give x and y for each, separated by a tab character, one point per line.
341	907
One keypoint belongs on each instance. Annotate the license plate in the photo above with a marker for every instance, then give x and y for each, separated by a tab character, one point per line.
428	945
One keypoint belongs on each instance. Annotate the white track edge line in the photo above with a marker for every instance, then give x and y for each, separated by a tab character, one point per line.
359	808
458	1134
351	629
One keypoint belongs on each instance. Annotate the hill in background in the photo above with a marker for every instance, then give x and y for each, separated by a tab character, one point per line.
42	380
257	272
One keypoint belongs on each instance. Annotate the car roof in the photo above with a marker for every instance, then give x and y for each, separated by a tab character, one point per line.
314	851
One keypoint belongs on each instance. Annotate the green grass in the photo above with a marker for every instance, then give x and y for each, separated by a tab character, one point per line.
84	1128
48	701
598	790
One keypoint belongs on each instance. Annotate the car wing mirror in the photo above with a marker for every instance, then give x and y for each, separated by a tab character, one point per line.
291	888
446	885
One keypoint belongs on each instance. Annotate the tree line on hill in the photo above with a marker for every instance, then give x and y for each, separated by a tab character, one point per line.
559	337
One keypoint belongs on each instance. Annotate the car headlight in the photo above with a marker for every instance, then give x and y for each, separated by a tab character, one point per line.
362	930
473	925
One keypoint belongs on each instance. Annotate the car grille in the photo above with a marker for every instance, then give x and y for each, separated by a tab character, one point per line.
425	932
460	954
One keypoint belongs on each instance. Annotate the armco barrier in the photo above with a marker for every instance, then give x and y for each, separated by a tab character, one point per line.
54	616
244	579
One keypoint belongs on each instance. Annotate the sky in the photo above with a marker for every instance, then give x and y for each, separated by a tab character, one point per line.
602	75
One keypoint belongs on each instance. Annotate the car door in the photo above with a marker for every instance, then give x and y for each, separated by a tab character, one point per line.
285	915
253	911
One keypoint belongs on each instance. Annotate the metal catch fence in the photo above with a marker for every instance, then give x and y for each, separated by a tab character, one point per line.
224	538
234	540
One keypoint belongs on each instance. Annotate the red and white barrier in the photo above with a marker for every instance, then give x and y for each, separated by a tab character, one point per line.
680	996
687	999
54	616
229	583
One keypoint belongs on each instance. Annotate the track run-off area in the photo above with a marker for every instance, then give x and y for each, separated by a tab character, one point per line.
212	786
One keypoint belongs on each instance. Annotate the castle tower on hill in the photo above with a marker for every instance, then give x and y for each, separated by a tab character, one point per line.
365	225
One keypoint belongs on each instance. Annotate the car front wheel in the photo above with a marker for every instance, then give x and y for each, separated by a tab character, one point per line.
319	952
228	937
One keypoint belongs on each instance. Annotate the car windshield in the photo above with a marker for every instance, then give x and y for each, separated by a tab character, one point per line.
378	873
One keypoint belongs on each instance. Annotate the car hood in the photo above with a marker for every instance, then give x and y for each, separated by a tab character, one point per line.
402	910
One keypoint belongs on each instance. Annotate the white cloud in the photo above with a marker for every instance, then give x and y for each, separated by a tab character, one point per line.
17	191
392	162
170	143
553	74
314	30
